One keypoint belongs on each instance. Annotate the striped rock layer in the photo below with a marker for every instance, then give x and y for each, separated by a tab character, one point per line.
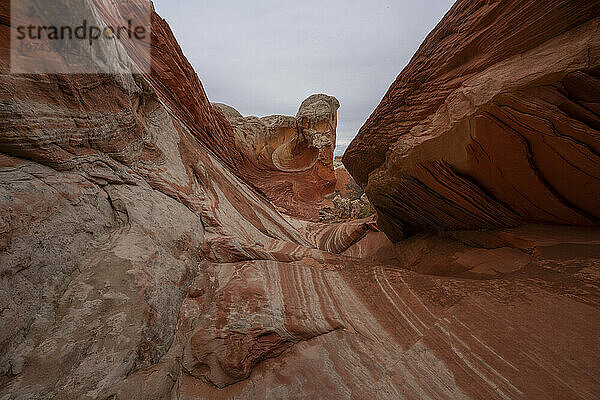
494	122
135	263
299	172
294	154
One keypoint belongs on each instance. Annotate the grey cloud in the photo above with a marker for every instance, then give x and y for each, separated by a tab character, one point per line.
265	56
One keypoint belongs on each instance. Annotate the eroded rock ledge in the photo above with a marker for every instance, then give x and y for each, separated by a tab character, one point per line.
495	122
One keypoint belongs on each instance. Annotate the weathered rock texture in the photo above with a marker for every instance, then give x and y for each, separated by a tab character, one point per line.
293	154
175	81
300	171
135	264
495	122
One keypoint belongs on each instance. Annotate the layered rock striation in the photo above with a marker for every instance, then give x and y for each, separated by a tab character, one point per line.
493	123
137	263
296	176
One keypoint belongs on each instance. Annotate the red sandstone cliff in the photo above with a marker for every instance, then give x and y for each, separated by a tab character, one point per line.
174	79
493	123
293	188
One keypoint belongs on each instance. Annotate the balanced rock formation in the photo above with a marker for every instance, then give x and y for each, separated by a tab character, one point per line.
494	123
294	155
136	263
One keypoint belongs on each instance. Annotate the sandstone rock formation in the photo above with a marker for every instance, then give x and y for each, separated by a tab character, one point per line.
293	154
174	80
136	263
178	86
494	123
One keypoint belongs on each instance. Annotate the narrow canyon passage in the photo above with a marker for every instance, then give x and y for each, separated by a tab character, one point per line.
156	246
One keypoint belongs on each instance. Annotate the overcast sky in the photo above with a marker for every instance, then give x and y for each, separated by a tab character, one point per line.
264	57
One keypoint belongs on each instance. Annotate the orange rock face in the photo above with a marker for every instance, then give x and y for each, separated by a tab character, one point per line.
493	123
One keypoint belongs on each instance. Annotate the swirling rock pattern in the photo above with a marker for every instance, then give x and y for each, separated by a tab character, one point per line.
136	264
295	154
298	174
493	123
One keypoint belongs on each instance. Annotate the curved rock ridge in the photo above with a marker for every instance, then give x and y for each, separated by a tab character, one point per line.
136	264
494	123
307	154
174	79
294	154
